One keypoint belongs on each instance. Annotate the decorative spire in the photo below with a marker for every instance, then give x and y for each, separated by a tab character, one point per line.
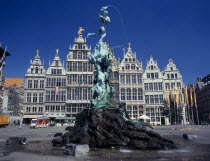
37	52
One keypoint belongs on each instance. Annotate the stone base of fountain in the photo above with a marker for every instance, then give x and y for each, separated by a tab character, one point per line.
105	128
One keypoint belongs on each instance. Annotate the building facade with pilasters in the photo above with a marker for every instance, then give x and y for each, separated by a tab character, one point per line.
80	74
34	89
153	91
55	90
131	84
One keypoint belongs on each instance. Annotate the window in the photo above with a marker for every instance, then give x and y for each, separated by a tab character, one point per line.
79	66
28	109
134	79
140	94
168	76
89	93
116	75
176	75
41	98
160	85
133	66
151	67
41	84
171	68
150	86
156	75
134	94
68	93
34	109
123	94
129	108
84	93
35	84
146	87
178	84
128	80
34	97
90	79
148	75
127	66
156	99
84	67
139	78
167	86
36	70
151	99
147	99
69	66
152	76
40	109
30	84
28	99
74	66
128	94
53	71
155	86
161	99
172	85
134	108
122	79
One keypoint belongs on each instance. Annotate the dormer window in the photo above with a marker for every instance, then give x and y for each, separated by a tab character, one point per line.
133	59
127	66
151	67
36	70
171	68
172	76
75	46
133	66
130	59
126	59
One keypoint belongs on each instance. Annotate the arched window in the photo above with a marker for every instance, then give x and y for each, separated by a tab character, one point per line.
134	108
36	70
140	94
128	94
123	94
172	76
134	94
127	66
129	108
133	66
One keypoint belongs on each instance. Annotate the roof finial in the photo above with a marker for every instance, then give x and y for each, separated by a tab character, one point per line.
129	45
80	31
57	50
37	52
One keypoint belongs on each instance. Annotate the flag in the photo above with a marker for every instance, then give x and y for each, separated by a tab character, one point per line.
191	98
186	95
167	97
195	100
56	90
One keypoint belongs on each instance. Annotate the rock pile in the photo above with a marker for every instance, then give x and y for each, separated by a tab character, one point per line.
105	128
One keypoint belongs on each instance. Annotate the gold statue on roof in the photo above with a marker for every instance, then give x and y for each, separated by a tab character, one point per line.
80	31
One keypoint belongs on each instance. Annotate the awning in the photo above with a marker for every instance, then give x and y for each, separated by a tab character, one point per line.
65	118
144	117
43	117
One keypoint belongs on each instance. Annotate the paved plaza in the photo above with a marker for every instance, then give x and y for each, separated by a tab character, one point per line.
39	146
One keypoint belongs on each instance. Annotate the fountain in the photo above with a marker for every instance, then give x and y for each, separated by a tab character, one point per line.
106	124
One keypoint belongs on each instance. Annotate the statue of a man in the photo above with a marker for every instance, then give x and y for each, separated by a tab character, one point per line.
105	19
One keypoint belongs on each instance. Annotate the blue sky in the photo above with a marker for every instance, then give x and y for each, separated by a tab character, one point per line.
177	29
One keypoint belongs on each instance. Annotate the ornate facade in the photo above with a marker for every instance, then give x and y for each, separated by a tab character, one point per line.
79	73
64	91
131	84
